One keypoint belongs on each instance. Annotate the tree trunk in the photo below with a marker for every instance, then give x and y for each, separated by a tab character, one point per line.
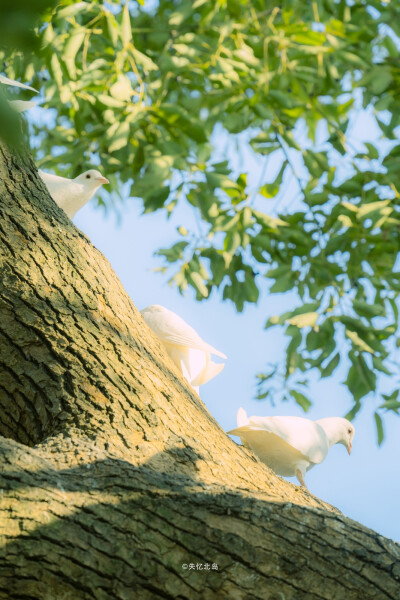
115	480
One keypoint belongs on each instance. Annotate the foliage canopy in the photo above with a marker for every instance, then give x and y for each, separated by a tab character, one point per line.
149	90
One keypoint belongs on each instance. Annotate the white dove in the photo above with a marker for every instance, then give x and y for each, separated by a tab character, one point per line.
183	344
72	194
292	445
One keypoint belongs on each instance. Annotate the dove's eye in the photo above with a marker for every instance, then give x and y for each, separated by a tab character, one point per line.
349	431
87	176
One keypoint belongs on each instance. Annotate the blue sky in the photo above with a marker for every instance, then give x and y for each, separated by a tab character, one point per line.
365	486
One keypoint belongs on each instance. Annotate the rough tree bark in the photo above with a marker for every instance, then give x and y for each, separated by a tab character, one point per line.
113	473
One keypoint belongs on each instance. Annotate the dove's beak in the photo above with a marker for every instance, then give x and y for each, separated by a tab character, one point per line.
349	448
102	180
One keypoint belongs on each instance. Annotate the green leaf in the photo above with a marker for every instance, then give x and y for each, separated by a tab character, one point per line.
358	342
331	366
144	60
269	190
154	199
122	88
368	310
372	151
118	135
316	162
268	221
353	412
75	41
301	400
371	207
379	428
73	10
109	101
284	283
174	253
308	319
282	99
361	380
391	405
232	242
126	29
198	283
251	290
377	79
311	38
246	54
391	401
112	27
56	70
379	366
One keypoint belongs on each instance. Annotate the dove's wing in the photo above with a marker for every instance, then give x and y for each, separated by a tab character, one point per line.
72	194
8	81
210	371
241	417
67	193
182	359
271	449
179	357
171	329
196	363
60	188
185	337
54	180
307	437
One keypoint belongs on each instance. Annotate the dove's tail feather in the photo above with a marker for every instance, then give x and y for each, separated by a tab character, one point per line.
242	423
213	350
242	418
211	370
239	431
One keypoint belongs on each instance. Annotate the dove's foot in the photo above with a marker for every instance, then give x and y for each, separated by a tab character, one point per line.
300	477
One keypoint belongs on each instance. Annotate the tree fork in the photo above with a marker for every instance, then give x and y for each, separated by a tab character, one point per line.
115	479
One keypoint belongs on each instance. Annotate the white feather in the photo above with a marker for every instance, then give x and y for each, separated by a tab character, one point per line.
172	329
210	371
188	351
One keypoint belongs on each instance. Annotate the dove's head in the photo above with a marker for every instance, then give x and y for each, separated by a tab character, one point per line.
91	179
338	431
349	435
345	433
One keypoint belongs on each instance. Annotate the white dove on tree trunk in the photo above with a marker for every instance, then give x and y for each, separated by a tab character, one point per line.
292	445
72	194
190	354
